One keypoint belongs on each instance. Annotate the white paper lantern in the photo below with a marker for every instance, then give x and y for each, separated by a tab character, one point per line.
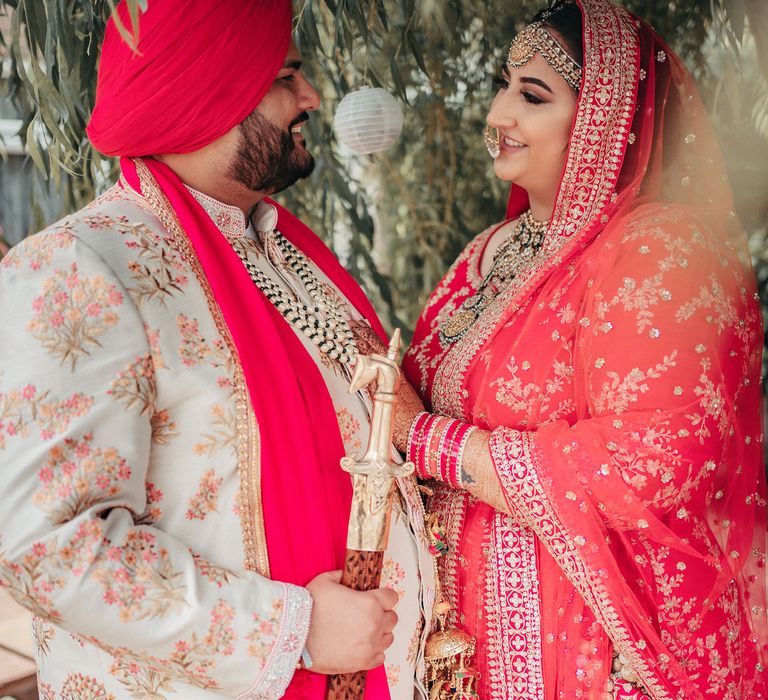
368	120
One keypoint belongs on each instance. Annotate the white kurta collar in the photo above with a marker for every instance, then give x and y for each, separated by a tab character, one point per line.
264	217
229	219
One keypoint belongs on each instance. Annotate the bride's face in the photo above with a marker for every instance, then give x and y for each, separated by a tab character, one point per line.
533	111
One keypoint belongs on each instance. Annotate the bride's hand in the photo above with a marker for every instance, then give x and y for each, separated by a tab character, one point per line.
408	407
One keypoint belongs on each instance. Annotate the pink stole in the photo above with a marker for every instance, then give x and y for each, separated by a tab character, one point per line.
305	494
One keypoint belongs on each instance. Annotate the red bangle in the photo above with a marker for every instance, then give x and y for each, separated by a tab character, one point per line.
415	436
436	447
418	443
435	440
446	449
459	444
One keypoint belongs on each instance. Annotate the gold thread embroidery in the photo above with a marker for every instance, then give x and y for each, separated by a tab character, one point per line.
512	605
248	453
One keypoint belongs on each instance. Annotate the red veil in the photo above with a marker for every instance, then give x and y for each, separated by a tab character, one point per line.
637	461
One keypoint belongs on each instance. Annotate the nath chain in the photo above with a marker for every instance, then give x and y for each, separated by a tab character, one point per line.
323	323
511	256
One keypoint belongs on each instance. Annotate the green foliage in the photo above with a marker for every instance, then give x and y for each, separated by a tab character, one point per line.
51	51
398	218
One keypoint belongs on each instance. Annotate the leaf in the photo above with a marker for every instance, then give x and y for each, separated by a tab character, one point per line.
409	41
63	30
736	11
397	80
309	28
33	149
382	15
358	17
37	23
757	14
130	34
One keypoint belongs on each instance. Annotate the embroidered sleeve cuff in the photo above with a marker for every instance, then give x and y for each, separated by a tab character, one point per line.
286	652
511	455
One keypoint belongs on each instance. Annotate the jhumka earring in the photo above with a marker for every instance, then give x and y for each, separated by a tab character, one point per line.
492	141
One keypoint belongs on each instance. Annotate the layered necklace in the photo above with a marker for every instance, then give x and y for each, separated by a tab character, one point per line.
322	322
512	256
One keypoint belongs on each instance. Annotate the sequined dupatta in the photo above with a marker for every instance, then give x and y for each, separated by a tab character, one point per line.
648	479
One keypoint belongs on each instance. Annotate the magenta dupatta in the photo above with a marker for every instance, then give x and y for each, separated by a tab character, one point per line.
305	494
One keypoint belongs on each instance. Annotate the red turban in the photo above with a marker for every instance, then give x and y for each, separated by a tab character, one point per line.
200	69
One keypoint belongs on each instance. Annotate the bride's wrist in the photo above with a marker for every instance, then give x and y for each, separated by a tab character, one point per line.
436	447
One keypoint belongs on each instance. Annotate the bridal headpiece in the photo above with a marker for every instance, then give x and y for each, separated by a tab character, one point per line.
536	39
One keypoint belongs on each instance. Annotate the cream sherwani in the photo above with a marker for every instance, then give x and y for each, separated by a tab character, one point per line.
130	512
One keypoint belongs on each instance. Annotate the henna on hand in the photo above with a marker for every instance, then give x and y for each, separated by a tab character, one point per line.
478	475
409	405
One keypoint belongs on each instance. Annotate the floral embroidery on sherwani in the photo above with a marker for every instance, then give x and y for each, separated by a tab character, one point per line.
24	407
123	540
80	687
42	633
71	313
205	499
77	476
157	273
196	350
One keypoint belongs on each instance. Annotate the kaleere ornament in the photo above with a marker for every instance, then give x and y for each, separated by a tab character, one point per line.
449	650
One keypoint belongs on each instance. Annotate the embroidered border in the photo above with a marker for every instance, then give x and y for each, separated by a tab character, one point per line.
255	536
520	478
418	352
514	617
248	453
278	668
451	506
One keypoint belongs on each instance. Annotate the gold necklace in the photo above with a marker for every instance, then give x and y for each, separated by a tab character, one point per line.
512	255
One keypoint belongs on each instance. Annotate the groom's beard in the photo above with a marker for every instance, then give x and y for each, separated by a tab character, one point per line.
268	159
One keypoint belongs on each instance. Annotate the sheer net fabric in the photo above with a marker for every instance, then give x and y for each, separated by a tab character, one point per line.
619	379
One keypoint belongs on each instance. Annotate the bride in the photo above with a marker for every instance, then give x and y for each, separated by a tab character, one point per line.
591	368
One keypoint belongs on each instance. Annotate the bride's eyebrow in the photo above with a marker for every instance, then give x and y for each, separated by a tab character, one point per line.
536	81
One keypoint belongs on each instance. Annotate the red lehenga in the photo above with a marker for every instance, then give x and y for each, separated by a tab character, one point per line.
619	376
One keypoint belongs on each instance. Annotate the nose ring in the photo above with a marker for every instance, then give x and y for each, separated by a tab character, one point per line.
492	141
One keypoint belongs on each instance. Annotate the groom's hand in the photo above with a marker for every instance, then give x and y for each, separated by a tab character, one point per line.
349	630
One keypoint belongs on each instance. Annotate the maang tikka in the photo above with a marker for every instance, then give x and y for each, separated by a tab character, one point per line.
536	39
